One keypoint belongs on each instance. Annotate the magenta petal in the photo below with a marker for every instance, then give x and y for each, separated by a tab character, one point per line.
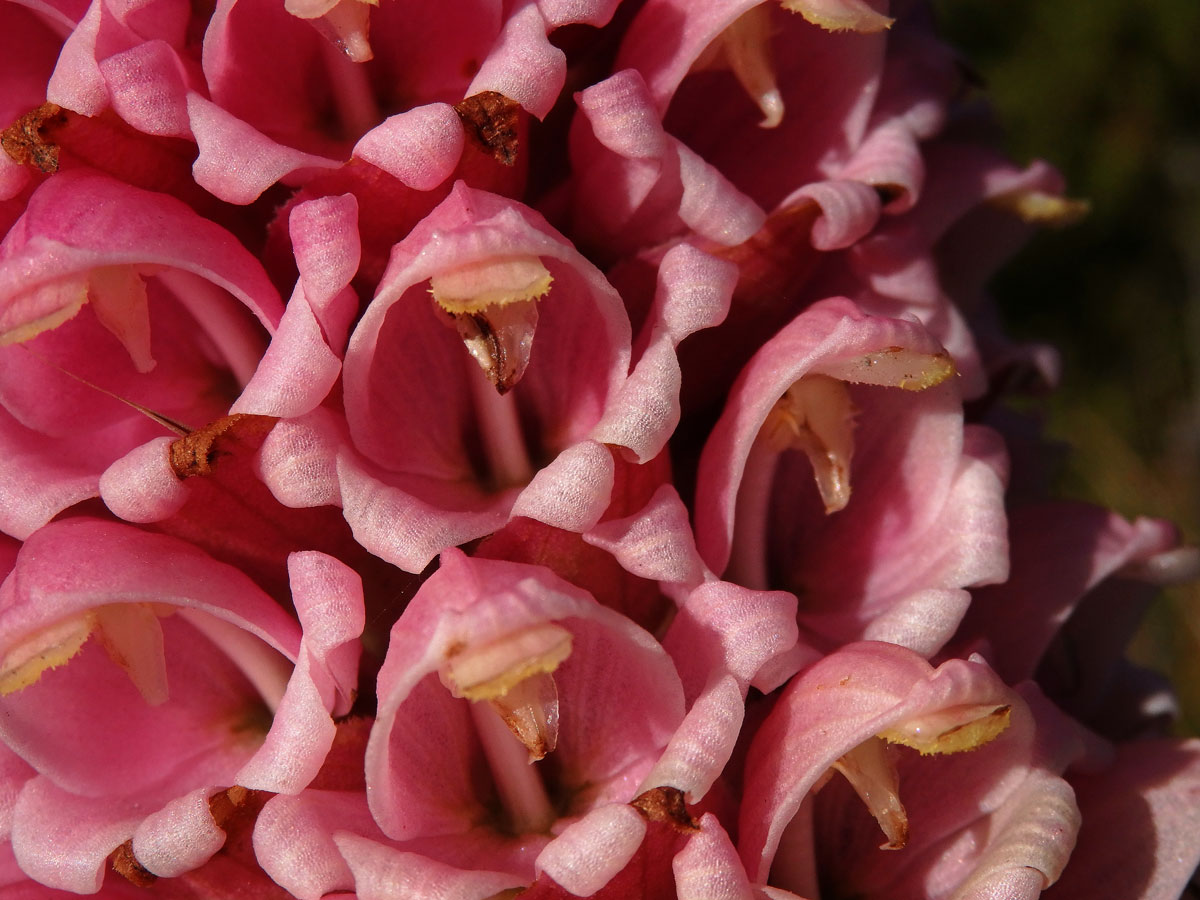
294	839
76	82
62	840
588	853
142	485
329	602
1141	822
524	65
567	12
708	867
80	220
381	873
325	240
149	88
420	147
303	362
52	479
297	371
298	459
179	837
237	162
14	772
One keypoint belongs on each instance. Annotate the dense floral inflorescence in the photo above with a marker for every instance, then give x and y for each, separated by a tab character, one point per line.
539	449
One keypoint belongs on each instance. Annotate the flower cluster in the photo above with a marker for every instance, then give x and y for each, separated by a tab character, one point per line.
622	502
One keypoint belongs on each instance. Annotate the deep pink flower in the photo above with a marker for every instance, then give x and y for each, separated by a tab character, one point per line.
179	675
840	460
111	296
518	368
623	504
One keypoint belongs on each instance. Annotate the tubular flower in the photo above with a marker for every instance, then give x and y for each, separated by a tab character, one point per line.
545	449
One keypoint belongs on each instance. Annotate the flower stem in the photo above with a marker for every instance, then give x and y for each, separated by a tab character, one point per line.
500	432
352	94
222	318
748	556
521	789
264	667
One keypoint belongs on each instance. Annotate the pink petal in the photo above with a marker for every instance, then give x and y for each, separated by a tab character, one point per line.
524	65
62	840
420	147
237	162
654	543
708	868
142	485
1140	827
573	491
179	837
588	853
294	839
380	872
694	291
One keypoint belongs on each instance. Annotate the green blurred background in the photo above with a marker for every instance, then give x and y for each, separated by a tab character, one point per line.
1109	91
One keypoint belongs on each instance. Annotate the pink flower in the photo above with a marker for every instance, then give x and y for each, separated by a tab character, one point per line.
518	368
111	289
841	452
181	677
622	504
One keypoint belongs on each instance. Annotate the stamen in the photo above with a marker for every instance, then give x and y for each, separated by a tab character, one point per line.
1041	208
840	15
816	415
118	295
950	730
30	329
118	298
894	367
500	341
744	48
518	783
128	632
49	648
489	670
530	710
133	639
353	96
874	779
747	45
347	26
500	432
493	305
514	673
